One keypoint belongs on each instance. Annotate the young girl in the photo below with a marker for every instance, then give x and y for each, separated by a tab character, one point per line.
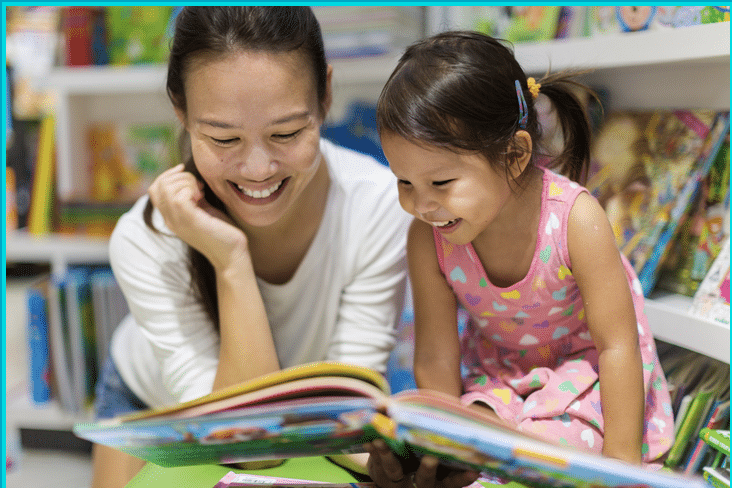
557	343
270	247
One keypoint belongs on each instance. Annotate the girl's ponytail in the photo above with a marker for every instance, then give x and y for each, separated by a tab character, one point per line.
561	89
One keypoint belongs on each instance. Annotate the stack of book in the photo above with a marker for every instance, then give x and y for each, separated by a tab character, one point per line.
70	322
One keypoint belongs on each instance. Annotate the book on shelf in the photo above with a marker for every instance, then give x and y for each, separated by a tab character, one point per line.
126	158
697	385
82	308
39	379
60	343
717	471
40	214
138	34
718	418
328	408
711	299
702	233
80	323
646	169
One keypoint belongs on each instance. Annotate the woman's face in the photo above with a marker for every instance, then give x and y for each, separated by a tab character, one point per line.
254	123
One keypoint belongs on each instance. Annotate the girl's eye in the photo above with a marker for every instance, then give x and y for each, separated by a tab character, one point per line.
441	183
403	182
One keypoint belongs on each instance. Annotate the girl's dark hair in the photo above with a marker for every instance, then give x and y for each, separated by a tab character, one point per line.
456	90
218	31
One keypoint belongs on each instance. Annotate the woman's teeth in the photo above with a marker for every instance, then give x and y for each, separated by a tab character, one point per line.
261	193
444	223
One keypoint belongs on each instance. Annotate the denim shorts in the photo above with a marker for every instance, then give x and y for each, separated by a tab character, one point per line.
113	396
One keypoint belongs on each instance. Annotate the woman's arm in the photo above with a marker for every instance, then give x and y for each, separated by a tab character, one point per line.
437	345
611	318
246	344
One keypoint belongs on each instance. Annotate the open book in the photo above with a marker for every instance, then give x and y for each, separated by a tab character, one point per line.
333	408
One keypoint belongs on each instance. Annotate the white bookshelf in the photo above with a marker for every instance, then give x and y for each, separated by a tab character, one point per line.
686	67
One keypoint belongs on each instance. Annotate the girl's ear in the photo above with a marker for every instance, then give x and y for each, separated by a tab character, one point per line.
519	153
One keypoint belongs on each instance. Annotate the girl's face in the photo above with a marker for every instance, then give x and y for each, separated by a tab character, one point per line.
459	195
254	124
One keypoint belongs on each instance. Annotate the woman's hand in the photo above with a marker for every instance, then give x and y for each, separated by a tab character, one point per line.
178	195
387	472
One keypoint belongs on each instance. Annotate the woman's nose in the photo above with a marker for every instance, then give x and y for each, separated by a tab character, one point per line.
258	164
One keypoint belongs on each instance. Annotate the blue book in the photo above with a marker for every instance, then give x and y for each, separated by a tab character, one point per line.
40	366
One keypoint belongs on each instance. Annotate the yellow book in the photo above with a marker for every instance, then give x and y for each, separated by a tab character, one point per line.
39	217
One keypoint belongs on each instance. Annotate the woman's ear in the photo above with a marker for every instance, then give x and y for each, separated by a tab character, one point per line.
181	117
328	99
519	153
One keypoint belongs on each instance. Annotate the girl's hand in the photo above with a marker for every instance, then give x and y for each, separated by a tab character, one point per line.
178	195
387	472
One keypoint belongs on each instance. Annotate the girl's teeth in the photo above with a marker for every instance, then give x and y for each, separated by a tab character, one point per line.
443	224
260	194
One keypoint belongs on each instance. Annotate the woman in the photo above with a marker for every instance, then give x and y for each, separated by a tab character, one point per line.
269	247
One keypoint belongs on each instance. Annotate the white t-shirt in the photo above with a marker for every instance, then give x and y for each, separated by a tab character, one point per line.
342	304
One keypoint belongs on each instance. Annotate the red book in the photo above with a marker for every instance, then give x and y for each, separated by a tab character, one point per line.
78	25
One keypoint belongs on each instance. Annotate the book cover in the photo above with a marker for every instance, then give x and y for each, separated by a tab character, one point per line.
333	408
42	193
717	477
78	24
126	158
81	331
674	213
646	168
713	385
718	418
60	345
717	438
702	234
39	357
711	299
138	34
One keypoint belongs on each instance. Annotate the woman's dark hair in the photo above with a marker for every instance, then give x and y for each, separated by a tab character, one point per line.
456	90
215	32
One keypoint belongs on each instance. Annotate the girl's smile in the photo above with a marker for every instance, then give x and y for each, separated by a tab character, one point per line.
460	195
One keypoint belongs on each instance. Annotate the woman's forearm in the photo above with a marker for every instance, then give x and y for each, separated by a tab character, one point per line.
247	348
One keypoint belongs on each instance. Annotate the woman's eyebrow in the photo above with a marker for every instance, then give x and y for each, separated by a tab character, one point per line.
225	125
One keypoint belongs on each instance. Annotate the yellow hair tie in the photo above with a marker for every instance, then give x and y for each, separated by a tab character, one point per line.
533	87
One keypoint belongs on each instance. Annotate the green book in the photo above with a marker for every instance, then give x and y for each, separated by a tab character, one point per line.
717	438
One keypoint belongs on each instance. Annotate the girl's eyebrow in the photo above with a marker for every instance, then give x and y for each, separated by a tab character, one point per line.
225	125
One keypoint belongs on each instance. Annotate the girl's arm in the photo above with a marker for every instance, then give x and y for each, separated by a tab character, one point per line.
610	315
437	346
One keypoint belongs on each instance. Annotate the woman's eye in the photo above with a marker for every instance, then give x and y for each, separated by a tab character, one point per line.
441	182
224	142
289	135
403	182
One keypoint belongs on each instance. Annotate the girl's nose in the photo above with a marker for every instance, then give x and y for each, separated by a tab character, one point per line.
424	204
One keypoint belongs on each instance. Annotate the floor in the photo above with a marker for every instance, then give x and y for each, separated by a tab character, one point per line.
50	469
39	468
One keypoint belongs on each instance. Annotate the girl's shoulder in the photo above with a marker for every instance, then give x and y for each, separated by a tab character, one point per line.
558	187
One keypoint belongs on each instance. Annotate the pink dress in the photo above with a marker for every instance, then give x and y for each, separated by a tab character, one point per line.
527	350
